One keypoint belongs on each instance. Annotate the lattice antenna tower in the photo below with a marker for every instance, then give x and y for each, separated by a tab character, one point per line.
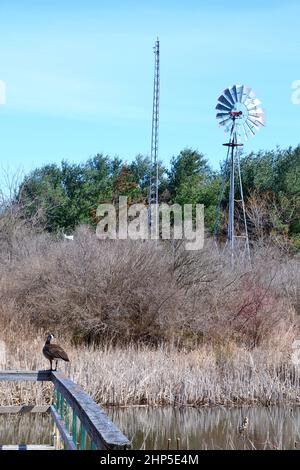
153	185
239	112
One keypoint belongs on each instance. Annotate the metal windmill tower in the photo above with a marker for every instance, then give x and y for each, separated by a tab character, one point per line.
153	185
239	112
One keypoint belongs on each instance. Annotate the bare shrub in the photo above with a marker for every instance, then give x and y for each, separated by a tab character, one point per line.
93	288
127	291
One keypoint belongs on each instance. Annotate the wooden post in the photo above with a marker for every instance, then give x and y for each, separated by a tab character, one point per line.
168	444
54	436
57	438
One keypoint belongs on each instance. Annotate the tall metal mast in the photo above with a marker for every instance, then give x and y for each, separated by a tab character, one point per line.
153	186
235	160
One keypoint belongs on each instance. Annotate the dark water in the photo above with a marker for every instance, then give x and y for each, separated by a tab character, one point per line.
213	428
27	428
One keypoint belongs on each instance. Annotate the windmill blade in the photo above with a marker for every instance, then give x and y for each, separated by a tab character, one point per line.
228	120
229	96
251	94
240	90
252	104
222	107
256	115
225	101
250	128
254	122
257	123
247	91
256	111
260	121
245	94
249	131
244	132
233	92
221	115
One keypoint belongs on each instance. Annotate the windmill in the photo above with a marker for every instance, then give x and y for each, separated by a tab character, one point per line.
239	112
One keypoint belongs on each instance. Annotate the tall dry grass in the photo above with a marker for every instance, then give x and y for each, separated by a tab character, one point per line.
212	374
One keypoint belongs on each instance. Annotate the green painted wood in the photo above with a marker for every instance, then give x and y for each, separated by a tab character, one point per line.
67	416
64	434
62	407
94	419
82	437
74	426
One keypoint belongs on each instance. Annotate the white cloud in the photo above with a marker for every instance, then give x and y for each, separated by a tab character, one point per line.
2	92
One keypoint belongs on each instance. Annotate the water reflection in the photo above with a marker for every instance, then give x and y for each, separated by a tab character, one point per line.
150	428
213	428
29	428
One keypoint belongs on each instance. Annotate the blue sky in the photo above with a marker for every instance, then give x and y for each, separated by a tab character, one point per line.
79	75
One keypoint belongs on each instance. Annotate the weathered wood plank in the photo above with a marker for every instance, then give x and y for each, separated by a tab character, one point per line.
100	428
65	435
24	375
24	409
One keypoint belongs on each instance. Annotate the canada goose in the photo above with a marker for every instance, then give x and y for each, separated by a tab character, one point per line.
54	352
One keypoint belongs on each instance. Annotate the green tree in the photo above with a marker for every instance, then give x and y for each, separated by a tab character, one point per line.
140	169
274	177
43	190
189	170
69	195
191	181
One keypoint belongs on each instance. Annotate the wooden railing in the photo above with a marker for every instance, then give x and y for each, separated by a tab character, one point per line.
79	422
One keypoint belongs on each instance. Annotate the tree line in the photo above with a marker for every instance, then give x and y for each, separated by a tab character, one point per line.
68	194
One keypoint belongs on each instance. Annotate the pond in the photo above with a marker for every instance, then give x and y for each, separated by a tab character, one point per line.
27	428
209	428
185	428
